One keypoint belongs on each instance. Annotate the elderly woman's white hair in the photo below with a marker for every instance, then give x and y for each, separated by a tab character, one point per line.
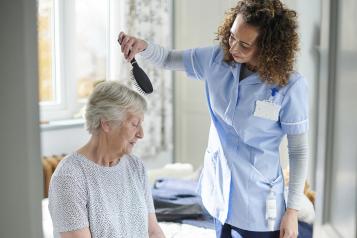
111	101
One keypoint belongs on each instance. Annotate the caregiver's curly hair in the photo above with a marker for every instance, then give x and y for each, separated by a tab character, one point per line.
277	40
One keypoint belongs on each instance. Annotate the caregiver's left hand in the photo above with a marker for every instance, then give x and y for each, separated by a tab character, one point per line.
289	224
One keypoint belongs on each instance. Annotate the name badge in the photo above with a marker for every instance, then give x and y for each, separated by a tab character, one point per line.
267	110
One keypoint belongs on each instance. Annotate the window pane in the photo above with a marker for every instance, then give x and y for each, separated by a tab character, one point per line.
45	36
91	17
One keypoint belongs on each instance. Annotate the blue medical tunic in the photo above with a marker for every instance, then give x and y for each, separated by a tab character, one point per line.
241	162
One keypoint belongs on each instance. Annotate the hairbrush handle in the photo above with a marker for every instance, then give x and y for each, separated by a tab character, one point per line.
133	61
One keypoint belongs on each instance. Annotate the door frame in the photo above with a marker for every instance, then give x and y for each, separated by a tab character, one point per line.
326	111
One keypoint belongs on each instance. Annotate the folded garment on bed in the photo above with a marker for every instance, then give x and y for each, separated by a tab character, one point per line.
173	189
176	200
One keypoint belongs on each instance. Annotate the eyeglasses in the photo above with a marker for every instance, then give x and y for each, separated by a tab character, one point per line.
241	46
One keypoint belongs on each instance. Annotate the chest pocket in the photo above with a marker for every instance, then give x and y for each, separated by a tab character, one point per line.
252	127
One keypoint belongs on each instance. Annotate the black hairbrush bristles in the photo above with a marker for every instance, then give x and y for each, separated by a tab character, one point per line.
139	77
141	80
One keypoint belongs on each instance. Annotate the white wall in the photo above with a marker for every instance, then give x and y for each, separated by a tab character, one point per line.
20	171
63	140
195	24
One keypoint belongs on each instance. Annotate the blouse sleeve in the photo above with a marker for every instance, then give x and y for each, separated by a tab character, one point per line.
148	194
145	183
67	204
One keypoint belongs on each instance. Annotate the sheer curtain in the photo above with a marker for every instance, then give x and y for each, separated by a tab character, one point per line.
149	20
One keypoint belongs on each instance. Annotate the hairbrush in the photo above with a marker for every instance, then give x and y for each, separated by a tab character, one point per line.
140	78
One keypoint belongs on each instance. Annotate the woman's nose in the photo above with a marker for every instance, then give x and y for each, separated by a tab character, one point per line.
234	46
140	132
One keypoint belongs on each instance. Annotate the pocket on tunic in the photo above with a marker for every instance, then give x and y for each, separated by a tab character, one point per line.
253	129
208	174
209	186
264	184
258	193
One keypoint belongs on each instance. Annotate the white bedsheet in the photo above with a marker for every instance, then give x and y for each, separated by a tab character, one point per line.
171	230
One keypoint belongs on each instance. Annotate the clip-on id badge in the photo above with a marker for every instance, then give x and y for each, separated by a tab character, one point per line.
271	210
267	108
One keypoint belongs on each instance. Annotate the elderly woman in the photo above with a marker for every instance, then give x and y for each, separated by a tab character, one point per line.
101	190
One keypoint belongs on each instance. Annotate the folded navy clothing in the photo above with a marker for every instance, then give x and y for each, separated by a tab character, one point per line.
176	200
176	187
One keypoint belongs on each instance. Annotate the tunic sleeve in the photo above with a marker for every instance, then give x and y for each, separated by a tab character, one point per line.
294	109
197	61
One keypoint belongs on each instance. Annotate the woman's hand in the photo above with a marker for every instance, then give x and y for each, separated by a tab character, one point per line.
154	228
289	224
82	233
131	45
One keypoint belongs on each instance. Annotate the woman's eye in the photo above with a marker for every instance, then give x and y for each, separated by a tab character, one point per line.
243	46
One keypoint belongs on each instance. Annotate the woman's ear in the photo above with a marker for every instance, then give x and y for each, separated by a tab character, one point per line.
105	125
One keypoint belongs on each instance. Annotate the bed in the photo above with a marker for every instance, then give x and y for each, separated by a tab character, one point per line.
178	207
171	229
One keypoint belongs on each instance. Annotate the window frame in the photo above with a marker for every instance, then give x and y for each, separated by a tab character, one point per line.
65	104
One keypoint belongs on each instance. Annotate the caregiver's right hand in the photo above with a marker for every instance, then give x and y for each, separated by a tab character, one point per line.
131	45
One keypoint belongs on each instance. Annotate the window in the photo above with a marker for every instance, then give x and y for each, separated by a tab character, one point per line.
45	36
72	54
91	44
